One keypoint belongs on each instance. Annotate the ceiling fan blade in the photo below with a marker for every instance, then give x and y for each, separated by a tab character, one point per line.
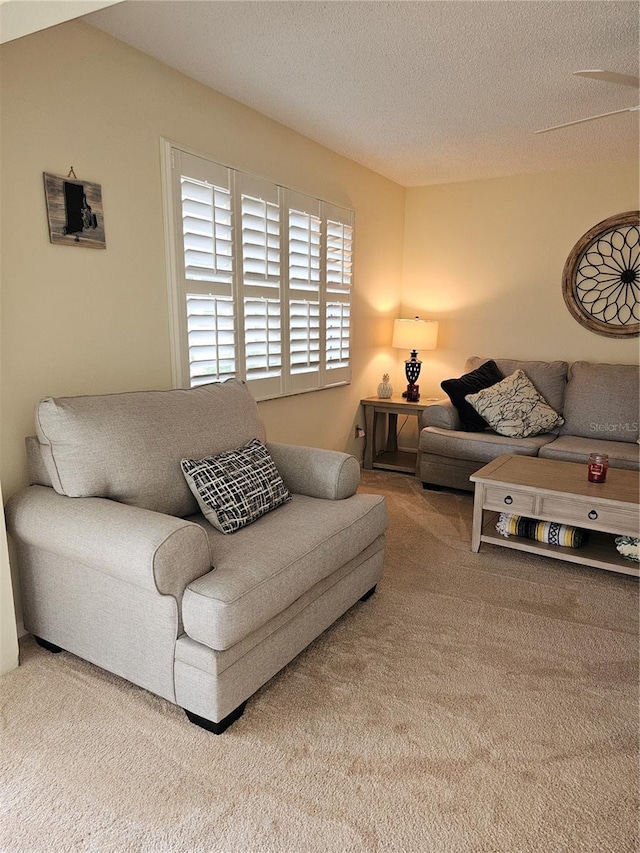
591	118
611	77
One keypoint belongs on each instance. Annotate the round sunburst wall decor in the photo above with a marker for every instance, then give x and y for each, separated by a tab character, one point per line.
601	277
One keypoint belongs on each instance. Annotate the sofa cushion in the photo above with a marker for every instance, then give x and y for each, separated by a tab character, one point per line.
548	377
265	567
128	447
236	487
602	401
570	448
483	376
481	447
514	408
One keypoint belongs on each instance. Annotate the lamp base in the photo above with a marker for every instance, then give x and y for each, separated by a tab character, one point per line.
412	393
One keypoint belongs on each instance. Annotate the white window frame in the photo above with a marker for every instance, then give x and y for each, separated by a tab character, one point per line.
325	296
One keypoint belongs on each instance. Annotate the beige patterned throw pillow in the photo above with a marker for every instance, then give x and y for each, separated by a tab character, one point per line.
513	407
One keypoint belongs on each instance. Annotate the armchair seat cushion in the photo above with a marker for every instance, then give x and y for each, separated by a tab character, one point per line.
265	567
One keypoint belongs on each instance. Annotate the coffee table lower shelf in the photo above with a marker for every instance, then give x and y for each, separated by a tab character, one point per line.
599	552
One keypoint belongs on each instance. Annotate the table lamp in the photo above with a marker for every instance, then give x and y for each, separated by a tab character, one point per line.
414	335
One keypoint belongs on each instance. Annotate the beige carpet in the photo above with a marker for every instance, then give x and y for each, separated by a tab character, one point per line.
481	702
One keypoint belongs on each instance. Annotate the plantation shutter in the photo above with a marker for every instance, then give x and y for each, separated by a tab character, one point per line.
304	288
211	335
339	280
206	231
261	285
304	250
338	335
206	223
304	332
260	280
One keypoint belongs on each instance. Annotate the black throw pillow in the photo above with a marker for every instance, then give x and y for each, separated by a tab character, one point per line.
483	377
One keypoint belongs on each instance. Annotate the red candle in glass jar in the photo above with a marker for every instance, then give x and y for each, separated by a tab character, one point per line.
598	464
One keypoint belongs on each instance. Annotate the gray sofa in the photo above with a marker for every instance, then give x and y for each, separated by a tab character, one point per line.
118	566
599	403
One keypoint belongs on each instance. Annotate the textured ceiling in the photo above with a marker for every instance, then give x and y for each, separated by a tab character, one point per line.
422	91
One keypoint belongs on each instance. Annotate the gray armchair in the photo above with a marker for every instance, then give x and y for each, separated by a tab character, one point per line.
118	565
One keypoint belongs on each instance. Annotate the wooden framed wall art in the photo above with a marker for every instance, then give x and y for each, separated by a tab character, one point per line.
601	277
74	210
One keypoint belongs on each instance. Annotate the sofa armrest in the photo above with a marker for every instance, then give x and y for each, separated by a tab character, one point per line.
442	414
149	549
316	472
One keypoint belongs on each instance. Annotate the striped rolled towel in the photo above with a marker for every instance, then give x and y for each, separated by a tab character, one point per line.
541	531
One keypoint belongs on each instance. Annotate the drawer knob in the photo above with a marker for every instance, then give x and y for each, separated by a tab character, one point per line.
593	514
508	499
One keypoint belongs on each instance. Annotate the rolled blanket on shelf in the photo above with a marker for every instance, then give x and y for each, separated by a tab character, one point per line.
541	531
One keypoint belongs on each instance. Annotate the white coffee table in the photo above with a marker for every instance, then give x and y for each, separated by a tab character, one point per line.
558	491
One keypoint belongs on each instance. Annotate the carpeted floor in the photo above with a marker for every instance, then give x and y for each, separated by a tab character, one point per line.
478	702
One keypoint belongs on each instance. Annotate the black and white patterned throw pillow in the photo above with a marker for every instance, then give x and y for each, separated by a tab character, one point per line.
236	487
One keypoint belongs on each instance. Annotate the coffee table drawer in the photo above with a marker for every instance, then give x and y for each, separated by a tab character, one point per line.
592	515
503	499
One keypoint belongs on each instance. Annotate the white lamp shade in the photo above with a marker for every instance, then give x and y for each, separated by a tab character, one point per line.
415	334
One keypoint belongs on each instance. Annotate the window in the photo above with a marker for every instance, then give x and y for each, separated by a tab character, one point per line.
260	280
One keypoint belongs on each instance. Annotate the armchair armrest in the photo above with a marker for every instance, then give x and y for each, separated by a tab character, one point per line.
316	472
158	552
442	414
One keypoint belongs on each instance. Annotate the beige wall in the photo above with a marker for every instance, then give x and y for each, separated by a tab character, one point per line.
76	320
486	259
483	257
19	18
